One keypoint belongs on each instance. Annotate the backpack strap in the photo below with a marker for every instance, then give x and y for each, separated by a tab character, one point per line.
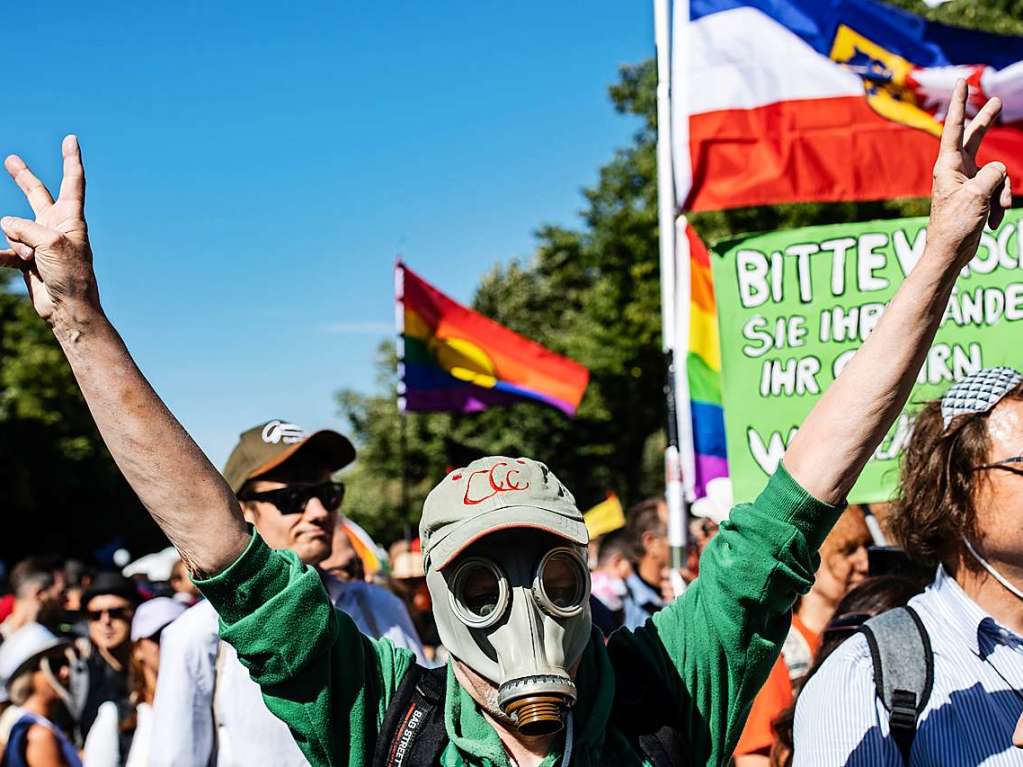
664	748
903	670
643	704
413	732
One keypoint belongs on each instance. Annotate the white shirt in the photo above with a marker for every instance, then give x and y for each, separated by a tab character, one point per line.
192	681
971	713
102	744
138	756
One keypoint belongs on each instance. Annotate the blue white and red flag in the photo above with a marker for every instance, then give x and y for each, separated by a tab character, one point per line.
778	101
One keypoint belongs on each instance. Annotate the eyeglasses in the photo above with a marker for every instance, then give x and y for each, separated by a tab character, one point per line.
1005	463
293	498
115	613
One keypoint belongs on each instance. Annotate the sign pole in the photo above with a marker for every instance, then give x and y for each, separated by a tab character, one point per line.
669	284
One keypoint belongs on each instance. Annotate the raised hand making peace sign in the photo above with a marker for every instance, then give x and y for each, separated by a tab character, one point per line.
877	381
965	196
53	251
149	445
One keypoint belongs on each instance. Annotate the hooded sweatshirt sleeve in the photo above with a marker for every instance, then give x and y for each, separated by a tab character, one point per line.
330	684
716	644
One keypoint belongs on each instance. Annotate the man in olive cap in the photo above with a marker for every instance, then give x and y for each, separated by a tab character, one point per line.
528	683
206	707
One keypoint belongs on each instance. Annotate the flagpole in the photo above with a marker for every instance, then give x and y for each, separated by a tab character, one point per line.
669	285
403	457
399	322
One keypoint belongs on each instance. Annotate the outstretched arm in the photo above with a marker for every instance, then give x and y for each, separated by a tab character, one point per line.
850	420
714	647
170	474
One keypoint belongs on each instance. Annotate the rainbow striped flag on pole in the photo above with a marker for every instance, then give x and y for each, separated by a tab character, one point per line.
707	458
452	358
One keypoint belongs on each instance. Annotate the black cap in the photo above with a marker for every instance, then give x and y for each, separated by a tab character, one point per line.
111	583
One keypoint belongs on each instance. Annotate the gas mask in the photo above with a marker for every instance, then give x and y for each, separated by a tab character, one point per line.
504	549
514	607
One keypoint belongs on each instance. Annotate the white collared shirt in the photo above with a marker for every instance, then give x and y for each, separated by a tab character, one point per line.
969	718
193	680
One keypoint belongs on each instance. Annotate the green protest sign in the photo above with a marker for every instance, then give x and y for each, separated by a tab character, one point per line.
794	306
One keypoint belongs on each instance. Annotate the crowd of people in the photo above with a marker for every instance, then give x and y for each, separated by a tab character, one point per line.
503	634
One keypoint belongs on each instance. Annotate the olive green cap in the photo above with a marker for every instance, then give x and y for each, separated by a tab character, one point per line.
491	494
265	447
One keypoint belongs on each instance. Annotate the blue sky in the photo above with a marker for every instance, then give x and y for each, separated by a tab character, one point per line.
255	167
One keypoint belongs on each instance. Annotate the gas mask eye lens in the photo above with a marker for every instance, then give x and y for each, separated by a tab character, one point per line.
561	581
479	593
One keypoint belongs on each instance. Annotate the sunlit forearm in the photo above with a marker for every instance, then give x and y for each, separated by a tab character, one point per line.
170	474
850	420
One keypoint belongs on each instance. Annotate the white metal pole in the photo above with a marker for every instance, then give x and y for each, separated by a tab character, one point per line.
683	173
666	219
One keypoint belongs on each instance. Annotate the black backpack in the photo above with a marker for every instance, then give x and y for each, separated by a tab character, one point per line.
413	733
903	670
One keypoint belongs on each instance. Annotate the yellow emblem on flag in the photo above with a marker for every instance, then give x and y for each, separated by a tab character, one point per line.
606	517
886	79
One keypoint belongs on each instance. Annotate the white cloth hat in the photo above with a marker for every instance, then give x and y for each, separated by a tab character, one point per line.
154	615
156	567
717	504
22	647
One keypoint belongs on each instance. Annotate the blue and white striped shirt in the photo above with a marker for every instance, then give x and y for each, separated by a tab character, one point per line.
969	718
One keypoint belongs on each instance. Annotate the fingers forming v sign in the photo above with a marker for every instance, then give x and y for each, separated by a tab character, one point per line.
964	195
53	250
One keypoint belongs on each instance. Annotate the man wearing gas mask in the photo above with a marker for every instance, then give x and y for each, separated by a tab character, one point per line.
530	682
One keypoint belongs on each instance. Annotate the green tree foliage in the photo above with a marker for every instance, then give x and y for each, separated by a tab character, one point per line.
593	294
61	490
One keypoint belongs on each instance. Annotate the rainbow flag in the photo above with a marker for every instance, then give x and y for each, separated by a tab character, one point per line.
453	358
703	367
365	547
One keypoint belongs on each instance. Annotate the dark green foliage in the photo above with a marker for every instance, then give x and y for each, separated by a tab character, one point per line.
61	491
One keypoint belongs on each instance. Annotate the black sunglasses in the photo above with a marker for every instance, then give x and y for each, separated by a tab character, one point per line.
115	613
293	498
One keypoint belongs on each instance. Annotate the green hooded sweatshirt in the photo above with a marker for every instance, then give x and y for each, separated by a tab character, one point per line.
710	650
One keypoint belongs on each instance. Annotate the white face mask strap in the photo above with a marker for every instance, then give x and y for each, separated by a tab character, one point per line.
991	570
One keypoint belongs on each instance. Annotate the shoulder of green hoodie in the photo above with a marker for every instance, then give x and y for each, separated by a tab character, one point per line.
712	649
714	646
328	682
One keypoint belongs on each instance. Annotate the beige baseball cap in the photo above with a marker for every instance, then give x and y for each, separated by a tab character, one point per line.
491	494
266	446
